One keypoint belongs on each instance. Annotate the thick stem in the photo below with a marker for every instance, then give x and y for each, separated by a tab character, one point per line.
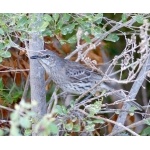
37	73
133	92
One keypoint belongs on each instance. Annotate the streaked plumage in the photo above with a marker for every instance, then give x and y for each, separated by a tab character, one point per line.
71	76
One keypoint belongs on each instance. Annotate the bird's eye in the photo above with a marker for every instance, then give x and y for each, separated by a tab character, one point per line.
47	56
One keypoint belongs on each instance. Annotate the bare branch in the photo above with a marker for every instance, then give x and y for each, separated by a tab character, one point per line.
110	121
130	126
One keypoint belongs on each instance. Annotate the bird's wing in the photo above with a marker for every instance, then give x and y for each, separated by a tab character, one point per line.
78	72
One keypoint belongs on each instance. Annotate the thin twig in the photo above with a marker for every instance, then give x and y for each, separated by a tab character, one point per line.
24	96
51	101
144	93
7	108
10	109
103	36
134	90
110	121
55	102
4	121
16	70
144	63
141	122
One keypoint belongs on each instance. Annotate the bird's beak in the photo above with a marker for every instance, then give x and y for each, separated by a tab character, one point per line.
35	57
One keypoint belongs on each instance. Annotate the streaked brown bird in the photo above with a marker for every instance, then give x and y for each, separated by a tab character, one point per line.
72	77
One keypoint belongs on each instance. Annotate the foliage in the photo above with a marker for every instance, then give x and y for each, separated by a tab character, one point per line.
66	121
21	118
11	95
74	30
18	27
146	132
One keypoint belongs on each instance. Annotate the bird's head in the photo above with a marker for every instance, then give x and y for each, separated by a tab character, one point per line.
46	58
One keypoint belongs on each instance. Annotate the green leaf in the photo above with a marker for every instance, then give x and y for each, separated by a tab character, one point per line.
48	32
101	121
147	121
28	132
1	132
65	18
139	18
89	121
1	31
146	131
60	24
1	59
61	110
2	46
22	21
72	39
5	54
23	104
96	31
25	122
1	84
95	108
56	16
53	128
14	116
112	37
124	17
87	38
132	110
16	95
72	103
90	127
44	26
85	25
62	42
98	18
47	18
69	126
76	128
14	131
31	114
68	29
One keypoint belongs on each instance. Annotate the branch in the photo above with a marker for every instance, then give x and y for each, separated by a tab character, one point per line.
97	41
133	92
111	121
130	126
24	96
37	73
7	108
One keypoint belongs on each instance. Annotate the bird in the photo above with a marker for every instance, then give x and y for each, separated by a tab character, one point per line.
73	77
